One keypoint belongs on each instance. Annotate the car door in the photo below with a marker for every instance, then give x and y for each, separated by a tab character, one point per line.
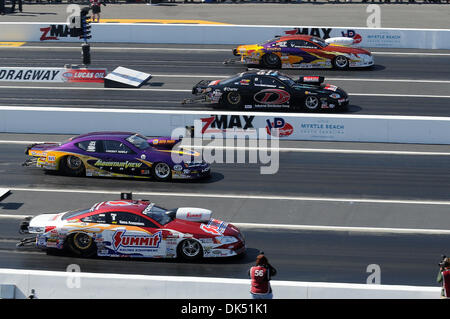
270	92
134	235
120	159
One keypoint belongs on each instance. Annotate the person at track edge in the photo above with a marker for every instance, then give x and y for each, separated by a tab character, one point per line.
261	275
444	277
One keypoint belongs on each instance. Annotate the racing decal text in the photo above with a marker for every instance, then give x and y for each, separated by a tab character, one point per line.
123	240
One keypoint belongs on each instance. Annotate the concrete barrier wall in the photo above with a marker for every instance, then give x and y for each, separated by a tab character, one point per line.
313	127
223	34
73	285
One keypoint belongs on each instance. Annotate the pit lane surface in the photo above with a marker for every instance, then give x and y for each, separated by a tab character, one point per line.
412	189
401	83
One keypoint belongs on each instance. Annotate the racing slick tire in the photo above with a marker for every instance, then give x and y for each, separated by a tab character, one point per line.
340	62
161	171
190	249
72	165
233	99
271	61
81	244
312	103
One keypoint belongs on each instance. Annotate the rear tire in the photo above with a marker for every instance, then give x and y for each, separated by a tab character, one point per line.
81	244
233	99
72	166
271	61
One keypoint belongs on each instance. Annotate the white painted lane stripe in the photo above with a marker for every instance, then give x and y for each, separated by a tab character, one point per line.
240	196
3	192
313	227
203	112
185	91
286	149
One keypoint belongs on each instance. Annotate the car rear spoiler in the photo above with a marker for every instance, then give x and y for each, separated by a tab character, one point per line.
315	80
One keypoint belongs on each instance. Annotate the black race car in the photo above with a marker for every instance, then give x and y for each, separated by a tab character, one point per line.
262	89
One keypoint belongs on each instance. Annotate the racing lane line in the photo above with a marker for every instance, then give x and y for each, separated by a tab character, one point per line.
283	150
184	91
239	196
313	227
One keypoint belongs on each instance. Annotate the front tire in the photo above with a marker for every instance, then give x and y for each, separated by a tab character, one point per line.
190	249
312	103
340	62
161	171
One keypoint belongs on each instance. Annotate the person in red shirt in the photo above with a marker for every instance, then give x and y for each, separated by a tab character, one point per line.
444	277
261	275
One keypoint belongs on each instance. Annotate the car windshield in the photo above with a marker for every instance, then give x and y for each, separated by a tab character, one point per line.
75	213
289	81
139	141
319	41
159	214
268	41
234	78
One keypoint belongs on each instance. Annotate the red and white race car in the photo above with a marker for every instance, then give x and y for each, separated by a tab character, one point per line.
135	228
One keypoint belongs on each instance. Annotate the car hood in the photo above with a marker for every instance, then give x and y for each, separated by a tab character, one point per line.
41	148
345	49
211	228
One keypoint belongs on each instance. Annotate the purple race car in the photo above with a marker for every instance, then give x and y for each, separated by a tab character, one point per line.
119	154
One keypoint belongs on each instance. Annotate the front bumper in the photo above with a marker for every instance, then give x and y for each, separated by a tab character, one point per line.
192	172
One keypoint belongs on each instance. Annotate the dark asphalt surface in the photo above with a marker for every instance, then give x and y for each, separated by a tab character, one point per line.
408	259
297	255
175	72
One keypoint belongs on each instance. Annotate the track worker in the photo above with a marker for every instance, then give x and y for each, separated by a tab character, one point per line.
261	275
444	277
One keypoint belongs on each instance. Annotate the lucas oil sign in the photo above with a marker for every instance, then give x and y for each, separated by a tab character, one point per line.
55	75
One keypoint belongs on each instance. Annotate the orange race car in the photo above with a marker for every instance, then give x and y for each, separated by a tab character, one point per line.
302	51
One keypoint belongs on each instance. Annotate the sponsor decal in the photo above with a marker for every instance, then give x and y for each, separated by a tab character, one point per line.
22	74
126	164
323	33
121	239
56	31
84	75
282	128
210	229
223	123
272	96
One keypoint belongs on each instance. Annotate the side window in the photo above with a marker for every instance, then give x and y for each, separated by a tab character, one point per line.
305	44
89	146
97	218
112	146
130	219
268	81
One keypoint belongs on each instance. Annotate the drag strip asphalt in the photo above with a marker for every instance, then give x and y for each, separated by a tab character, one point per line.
401	82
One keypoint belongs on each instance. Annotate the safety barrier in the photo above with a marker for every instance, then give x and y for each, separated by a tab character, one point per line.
73	285
223	34
293	126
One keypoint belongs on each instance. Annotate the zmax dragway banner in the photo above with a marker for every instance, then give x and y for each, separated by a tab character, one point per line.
59	75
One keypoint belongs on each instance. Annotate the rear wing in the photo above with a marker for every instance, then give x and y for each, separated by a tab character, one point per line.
315	80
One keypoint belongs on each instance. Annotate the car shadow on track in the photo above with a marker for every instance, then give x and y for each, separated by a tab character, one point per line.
246	258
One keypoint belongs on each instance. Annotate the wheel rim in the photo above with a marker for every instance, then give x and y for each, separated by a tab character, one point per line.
234	98
312	102
341	61
82	241
74	162
162	170
190	248
272	59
